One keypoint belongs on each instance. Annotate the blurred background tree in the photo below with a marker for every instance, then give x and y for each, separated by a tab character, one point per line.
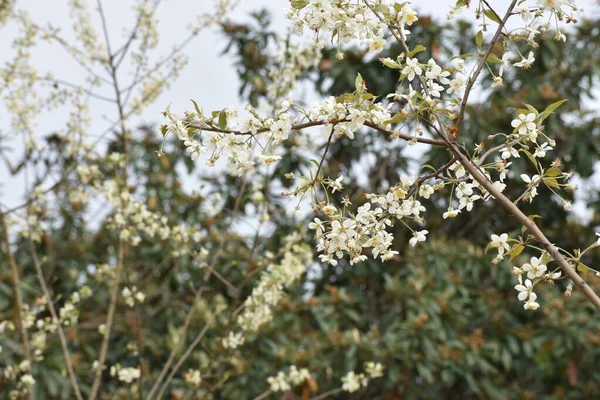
442	318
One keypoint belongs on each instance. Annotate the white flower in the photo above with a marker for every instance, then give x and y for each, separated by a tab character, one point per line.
194	148
436	73
524	290
525	13
317	225
524	123
269	158
553	4
425	191
530	304
233	340
500	242
541	150
279	383
412	68
27	380
337	184
534	180
451	213
525	63
468	202
352	382
329	209
505	63
458	83
128	375
193	377
418	237
534	268
509	152
374	370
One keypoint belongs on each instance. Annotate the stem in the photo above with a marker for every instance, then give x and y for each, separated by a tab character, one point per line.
18	296
56	320
529	224
109	323
480	64
182	360
188	318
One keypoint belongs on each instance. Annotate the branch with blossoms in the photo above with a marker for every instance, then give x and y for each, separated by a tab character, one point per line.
437	107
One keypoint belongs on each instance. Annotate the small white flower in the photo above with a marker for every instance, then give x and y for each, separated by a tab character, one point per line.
525	63
500	242
524	123
27	380
534	268
451	213
530	304
418	237
426	191
524	290
337	184
329	209
412	68
128	375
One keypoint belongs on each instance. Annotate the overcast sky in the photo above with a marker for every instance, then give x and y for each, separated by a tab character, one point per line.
209	78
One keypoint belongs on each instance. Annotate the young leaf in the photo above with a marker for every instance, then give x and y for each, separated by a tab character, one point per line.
418	48
479	39
222	120
546	113
491	15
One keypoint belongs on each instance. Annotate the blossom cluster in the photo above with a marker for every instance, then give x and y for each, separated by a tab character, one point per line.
258	307
282	382
348	21
133	218
352	382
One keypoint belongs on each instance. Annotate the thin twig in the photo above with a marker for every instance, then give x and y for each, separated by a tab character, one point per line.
480	64
188	318
18	295
109	322
56	320
326	394
182	360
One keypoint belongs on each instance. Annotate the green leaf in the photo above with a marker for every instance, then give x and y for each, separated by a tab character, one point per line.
465	55
531	157
583	268
553	172
479	39
299	4
494	59
546	113
222	120
359	83
531	109
418	48
400	117
551	182
515	250
196	107
491	15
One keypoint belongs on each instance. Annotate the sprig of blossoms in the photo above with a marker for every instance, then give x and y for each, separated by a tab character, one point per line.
352	382
282	382
270	290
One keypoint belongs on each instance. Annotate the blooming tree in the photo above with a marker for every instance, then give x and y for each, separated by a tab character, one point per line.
427	107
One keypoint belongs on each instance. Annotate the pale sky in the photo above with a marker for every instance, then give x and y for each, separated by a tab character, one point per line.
209	78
